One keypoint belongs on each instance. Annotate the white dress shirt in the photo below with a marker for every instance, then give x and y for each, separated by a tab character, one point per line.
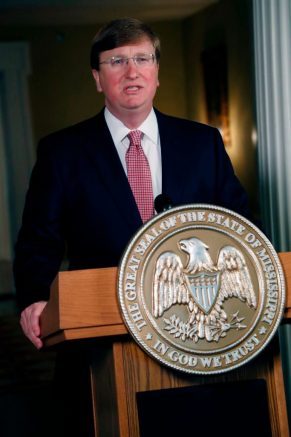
150	144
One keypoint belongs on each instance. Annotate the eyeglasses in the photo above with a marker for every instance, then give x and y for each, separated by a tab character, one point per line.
141	61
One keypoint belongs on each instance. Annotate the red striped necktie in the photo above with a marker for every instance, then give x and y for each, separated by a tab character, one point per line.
139	176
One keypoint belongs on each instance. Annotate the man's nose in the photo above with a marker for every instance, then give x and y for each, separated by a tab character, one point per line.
131	68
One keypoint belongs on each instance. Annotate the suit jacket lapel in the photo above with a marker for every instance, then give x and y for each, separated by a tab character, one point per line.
103	153
171	160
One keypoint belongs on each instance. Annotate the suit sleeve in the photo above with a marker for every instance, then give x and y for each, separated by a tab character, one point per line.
40	245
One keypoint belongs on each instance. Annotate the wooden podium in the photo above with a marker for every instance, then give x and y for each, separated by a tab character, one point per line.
83	305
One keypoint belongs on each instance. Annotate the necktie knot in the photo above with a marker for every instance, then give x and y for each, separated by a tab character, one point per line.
135	138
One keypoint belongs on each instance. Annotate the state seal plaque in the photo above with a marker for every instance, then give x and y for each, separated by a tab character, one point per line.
201	289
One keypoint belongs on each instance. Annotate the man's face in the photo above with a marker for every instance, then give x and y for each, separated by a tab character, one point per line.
129	90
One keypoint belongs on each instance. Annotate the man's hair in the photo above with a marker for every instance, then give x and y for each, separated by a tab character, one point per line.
119	33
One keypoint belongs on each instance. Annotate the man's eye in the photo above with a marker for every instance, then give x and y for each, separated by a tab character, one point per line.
141	59
117	61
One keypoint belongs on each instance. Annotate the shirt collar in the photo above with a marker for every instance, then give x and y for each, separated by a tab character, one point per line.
119	131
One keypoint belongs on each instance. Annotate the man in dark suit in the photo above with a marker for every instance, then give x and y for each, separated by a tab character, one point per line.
80	201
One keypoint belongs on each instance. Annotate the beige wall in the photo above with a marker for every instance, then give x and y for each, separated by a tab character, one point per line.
227	22
61	86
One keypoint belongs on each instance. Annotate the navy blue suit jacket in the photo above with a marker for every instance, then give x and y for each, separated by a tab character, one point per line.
79	202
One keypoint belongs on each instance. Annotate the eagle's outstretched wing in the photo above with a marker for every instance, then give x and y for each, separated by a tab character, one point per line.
235	276
169	283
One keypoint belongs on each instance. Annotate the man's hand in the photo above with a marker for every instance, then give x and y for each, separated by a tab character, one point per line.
30	323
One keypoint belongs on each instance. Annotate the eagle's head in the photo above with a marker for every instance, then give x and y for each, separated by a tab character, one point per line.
199	258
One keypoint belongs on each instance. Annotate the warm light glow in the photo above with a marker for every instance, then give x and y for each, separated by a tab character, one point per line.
254	136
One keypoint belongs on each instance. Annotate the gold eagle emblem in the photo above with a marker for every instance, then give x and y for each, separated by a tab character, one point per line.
203	287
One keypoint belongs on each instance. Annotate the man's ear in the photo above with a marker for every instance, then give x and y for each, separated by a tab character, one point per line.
97	80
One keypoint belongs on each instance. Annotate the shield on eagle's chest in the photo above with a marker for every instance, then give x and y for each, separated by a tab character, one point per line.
204	288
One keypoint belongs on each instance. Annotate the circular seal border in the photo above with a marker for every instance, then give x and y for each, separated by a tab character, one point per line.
132	326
